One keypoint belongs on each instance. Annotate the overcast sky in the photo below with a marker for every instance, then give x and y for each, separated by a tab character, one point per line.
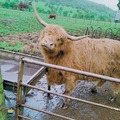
109	3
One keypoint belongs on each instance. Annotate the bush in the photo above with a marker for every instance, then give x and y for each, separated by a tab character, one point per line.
40	10
12	4
65	13
6	5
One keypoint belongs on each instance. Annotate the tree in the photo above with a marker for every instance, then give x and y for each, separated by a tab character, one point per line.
7	0
118	5
6	5
65	13
16	1
74	15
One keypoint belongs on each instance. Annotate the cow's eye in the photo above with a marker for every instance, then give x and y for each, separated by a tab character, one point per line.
45	32
58	39
61	42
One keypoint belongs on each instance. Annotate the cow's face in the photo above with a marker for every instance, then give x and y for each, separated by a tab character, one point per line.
52	40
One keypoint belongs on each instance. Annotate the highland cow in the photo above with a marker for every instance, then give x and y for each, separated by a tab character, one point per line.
100	56
52	16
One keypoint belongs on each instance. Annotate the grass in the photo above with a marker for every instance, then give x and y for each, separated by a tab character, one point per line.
16	47
15	21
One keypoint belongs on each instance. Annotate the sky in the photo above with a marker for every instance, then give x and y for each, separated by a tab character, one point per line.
109	3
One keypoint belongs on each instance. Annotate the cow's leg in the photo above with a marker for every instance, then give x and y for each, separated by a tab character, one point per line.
49	85
48	94
116	90
98	84
69	86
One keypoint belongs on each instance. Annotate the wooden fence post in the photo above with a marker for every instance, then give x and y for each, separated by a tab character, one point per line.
3	112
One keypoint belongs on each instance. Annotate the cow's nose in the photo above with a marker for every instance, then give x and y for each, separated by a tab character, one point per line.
47	43
51	44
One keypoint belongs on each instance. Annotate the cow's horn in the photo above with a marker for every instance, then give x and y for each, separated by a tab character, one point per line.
76	38
38	17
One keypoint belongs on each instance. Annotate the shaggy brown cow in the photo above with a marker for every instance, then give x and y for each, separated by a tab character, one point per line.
101	56
52	16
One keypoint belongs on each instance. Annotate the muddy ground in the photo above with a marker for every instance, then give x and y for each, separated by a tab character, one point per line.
29	41
21	37
76	110
38	99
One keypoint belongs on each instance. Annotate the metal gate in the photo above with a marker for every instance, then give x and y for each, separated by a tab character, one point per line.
23	87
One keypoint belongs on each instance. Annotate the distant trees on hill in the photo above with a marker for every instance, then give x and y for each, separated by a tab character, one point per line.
7	4
15	4
118	5
77	9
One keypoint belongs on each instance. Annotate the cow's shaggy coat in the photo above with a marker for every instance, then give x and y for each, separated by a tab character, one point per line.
101	56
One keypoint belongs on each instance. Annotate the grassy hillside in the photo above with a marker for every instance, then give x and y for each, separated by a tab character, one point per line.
87	8
15	21
83	9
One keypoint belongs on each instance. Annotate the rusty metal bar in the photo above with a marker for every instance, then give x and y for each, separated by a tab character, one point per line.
19	92
42	69
17	56
21	116
19	89
50	113
11	86
36	77
72	70
72	98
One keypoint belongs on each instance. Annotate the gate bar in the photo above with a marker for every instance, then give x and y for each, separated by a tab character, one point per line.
53	114
36	77
72	98
19	89
17	55
72	70
21	116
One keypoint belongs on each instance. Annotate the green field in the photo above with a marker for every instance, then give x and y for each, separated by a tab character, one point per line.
15	21
16	47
